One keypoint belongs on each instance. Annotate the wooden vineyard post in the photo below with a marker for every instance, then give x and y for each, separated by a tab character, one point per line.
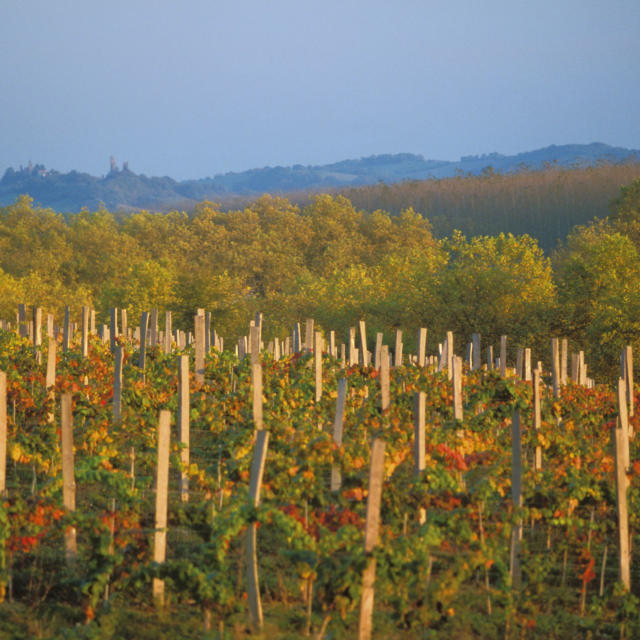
153	328
3	433
333	351
66	336
124	328
144	323
84	332
519	363
117	384
255	484
450	354
50	325
564	354
317	361
378	352
167	332
114	328
308	335
536	417
626	373
162	494
527	364
397	354
23	330
68	476
37	332
422	346
207	331
183	425
256	378
50	379
457	388
621	448
385	394
199	357
516	499
503	356
363	343
338	425
353	358
297	338
372	526
419	417
490	362
555	367
477	353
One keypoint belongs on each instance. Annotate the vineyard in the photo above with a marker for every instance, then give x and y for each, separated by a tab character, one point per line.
159	484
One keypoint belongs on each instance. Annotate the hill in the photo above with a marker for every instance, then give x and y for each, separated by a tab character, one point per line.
124	189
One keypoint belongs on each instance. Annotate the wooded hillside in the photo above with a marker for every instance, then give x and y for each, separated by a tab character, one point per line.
335	262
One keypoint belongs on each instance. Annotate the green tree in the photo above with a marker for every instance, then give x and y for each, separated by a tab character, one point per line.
598	273
497	285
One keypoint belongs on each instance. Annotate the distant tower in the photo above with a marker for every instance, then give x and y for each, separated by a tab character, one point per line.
125	166
114	166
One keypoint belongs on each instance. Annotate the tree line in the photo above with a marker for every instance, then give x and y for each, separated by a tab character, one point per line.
337	263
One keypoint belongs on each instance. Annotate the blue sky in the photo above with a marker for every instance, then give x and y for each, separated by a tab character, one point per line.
194	88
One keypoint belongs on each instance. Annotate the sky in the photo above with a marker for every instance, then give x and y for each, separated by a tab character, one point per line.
194	88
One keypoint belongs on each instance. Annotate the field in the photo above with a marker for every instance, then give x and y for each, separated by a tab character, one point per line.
485	529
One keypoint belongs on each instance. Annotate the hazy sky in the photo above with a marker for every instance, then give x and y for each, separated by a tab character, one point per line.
192	88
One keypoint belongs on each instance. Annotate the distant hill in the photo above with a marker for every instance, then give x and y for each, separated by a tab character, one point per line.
124	189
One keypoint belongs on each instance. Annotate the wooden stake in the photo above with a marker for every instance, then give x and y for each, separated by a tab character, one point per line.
516	499
397	354
256	379
477	353
503	356
117	384
167	332
363	343
317	361
385	396
23	329
621	444
50	325
422	346
372	526
114	328
379	338
199	349
527	365
144	322
564	352
153	328
162	491
66	338
338	425
308	335
536	417
37	332
419	418
457	388
519	362
255	484
555	367
124	328
183	425
68	476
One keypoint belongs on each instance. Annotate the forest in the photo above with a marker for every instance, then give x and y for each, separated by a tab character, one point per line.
338	263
